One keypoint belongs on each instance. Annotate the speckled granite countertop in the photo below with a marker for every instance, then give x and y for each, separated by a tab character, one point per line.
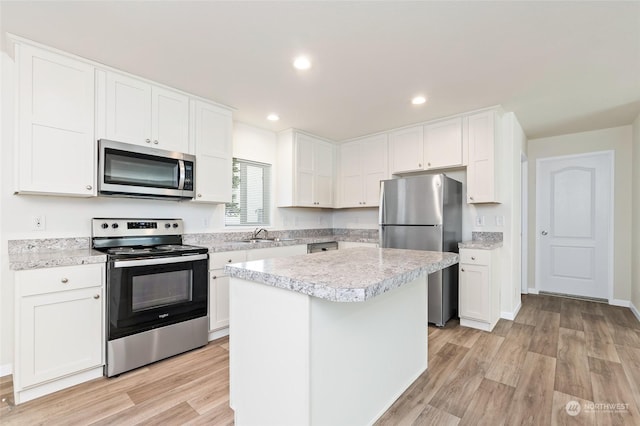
483	241
51	252
24	261
350	275
480	245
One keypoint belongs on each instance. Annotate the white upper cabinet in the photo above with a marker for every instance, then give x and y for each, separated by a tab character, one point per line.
305	170
443	144
406	150
211	144
363	164
484	138
55	117
140	113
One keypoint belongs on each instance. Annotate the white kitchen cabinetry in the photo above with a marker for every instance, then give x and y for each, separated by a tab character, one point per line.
211	144
55	146
479	289
59	328
305	170
482	176
406	150
219	280
363	164
140	113
219	287
443	144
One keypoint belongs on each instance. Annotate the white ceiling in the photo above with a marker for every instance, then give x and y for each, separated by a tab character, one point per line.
562	67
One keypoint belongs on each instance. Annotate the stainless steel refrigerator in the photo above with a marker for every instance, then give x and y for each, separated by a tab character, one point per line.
425	213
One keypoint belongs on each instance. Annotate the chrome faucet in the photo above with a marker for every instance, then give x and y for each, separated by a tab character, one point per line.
257	232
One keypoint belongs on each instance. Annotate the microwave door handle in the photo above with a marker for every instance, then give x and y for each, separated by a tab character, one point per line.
182	174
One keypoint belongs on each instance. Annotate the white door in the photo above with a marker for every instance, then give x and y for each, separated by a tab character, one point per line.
573	198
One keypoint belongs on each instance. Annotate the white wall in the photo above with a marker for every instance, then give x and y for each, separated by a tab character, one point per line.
617	139
635	225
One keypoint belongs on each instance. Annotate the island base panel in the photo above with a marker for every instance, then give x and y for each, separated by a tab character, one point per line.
301	360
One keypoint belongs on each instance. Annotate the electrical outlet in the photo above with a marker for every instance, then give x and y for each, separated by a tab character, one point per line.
479	220
38	223
499	220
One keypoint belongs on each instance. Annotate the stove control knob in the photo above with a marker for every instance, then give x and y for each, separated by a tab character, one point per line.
104	225
175	225
167	225
114	225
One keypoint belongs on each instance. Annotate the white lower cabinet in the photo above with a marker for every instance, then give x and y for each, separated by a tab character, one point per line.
479	290
59	328
219	280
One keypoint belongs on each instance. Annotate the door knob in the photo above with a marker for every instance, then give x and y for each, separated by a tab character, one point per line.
544	232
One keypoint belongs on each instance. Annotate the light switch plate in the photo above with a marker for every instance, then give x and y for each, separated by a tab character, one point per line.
479	220
499	220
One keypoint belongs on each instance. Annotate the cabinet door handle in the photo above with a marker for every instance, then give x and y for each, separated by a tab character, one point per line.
544	233
419	164
155	142
471	198
230	260
89	187
199	195
64	280
429	164
97	296
461	269
473	258
214	277
147	140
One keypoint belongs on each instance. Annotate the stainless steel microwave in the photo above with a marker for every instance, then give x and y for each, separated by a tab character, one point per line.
128	170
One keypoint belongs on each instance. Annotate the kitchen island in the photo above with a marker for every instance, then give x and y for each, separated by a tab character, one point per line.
330	338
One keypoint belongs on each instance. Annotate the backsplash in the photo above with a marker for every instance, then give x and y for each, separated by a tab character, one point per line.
490	237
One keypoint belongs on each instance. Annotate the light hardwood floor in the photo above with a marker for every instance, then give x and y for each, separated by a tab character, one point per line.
523	373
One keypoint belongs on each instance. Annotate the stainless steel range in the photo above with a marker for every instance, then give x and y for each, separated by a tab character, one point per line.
157	291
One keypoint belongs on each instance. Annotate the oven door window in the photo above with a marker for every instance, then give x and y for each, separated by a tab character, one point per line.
131	168
145	297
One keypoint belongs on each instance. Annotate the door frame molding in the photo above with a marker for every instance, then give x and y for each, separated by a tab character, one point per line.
609	155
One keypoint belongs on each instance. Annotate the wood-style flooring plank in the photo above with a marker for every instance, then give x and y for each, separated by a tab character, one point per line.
506	366
502	327
432	416
572	366
533	398
176	415
610	386
599	341
489	405
221	415
545	336
569	410
630	358
622	335
571	314
412	402
456	394
528	314
550	303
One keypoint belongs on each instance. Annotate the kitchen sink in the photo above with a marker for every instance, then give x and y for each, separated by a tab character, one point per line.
267	240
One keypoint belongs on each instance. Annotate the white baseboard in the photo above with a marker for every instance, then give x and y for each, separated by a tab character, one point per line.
533	290
618	302
213	335
511	315
6	369
634	310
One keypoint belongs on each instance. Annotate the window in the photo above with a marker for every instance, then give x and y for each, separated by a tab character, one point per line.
250	194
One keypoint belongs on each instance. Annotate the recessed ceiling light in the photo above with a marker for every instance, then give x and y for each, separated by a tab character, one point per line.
273	117
302	63
418	100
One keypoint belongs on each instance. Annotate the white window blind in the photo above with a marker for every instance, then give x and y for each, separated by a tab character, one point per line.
250	194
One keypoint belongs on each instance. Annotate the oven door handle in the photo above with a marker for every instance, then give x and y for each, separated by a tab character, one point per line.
158	261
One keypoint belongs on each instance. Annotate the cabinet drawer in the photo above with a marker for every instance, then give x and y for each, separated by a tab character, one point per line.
475	257
48	280
218	260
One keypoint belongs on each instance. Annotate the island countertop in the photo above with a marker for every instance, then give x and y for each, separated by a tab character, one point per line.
349	275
